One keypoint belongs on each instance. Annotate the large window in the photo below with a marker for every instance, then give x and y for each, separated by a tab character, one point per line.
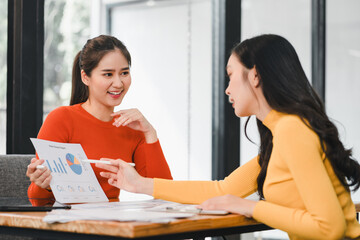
170	45
343	72
67	27
3	71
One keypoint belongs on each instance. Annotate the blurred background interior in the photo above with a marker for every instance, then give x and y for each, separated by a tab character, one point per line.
179	50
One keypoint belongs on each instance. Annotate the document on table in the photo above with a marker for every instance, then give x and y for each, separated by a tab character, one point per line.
185	208
113	215
155	210
144	211
73	181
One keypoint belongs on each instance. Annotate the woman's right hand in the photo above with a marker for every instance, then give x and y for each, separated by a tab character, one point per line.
122	175
41	177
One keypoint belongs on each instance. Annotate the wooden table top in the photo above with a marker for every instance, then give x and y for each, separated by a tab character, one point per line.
124	229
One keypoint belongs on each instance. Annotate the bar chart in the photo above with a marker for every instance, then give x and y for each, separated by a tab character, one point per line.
60	166
56	166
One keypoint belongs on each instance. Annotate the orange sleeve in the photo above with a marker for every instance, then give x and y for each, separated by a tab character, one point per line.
53	129
241	182
150	161
35	191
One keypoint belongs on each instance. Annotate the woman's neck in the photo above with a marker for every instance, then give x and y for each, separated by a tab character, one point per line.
263	112
262	108
99	111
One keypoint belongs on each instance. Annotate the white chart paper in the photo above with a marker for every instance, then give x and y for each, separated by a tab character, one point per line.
73	181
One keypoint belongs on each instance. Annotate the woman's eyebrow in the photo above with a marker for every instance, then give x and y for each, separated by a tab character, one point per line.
113	70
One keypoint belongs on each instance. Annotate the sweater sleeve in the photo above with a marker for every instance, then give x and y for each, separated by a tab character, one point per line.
54	128
323	217
241	182
150	161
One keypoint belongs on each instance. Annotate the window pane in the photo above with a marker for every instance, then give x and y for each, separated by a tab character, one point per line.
3	73
290	19
170	44
67	27
343	71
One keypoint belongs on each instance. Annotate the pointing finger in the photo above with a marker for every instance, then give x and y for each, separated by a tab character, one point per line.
107	175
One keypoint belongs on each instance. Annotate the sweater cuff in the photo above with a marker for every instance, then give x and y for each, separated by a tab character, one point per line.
258	210
35	191
155	187
152	145
158	187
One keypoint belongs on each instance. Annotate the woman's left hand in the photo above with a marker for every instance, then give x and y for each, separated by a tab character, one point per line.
134	119
231	204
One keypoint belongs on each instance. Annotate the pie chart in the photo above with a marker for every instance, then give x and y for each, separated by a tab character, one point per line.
74	163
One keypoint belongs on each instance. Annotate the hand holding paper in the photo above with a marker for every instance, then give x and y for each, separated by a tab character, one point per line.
73	181
42	177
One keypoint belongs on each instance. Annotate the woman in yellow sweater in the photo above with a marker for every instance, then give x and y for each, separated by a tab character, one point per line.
303	173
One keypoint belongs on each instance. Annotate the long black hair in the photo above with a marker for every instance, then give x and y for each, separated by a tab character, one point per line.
287	89
88	59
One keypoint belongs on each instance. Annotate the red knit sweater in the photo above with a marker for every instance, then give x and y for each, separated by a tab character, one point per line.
73	124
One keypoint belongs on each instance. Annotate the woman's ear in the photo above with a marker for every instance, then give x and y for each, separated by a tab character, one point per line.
84	78
254	77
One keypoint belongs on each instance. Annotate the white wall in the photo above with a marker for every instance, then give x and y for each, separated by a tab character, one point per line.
343	72
170	45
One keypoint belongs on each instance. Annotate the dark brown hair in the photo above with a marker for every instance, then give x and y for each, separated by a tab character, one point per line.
88	58
287	89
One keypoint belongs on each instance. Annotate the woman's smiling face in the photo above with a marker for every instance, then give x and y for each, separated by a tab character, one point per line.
110	79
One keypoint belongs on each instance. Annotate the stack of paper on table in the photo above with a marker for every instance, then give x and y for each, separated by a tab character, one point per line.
156	211
116	211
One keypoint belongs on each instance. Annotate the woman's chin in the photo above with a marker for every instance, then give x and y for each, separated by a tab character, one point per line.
238	114
241	114
115	102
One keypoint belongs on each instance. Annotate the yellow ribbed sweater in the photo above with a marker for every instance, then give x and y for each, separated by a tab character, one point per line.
303	195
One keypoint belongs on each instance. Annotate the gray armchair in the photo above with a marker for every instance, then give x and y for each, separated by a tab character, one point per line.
13	180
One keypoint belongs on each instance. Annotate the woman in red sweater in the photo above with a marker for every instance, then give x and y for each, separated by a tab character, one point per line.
100	79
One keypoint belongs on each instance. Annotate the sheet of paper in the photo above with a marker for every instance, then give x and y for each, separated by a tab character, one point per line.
113	215
145	211
168	206
124	205
72	181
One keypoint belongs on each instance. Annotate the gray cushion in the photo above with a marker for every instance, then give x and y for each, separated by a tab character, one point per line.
13	179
